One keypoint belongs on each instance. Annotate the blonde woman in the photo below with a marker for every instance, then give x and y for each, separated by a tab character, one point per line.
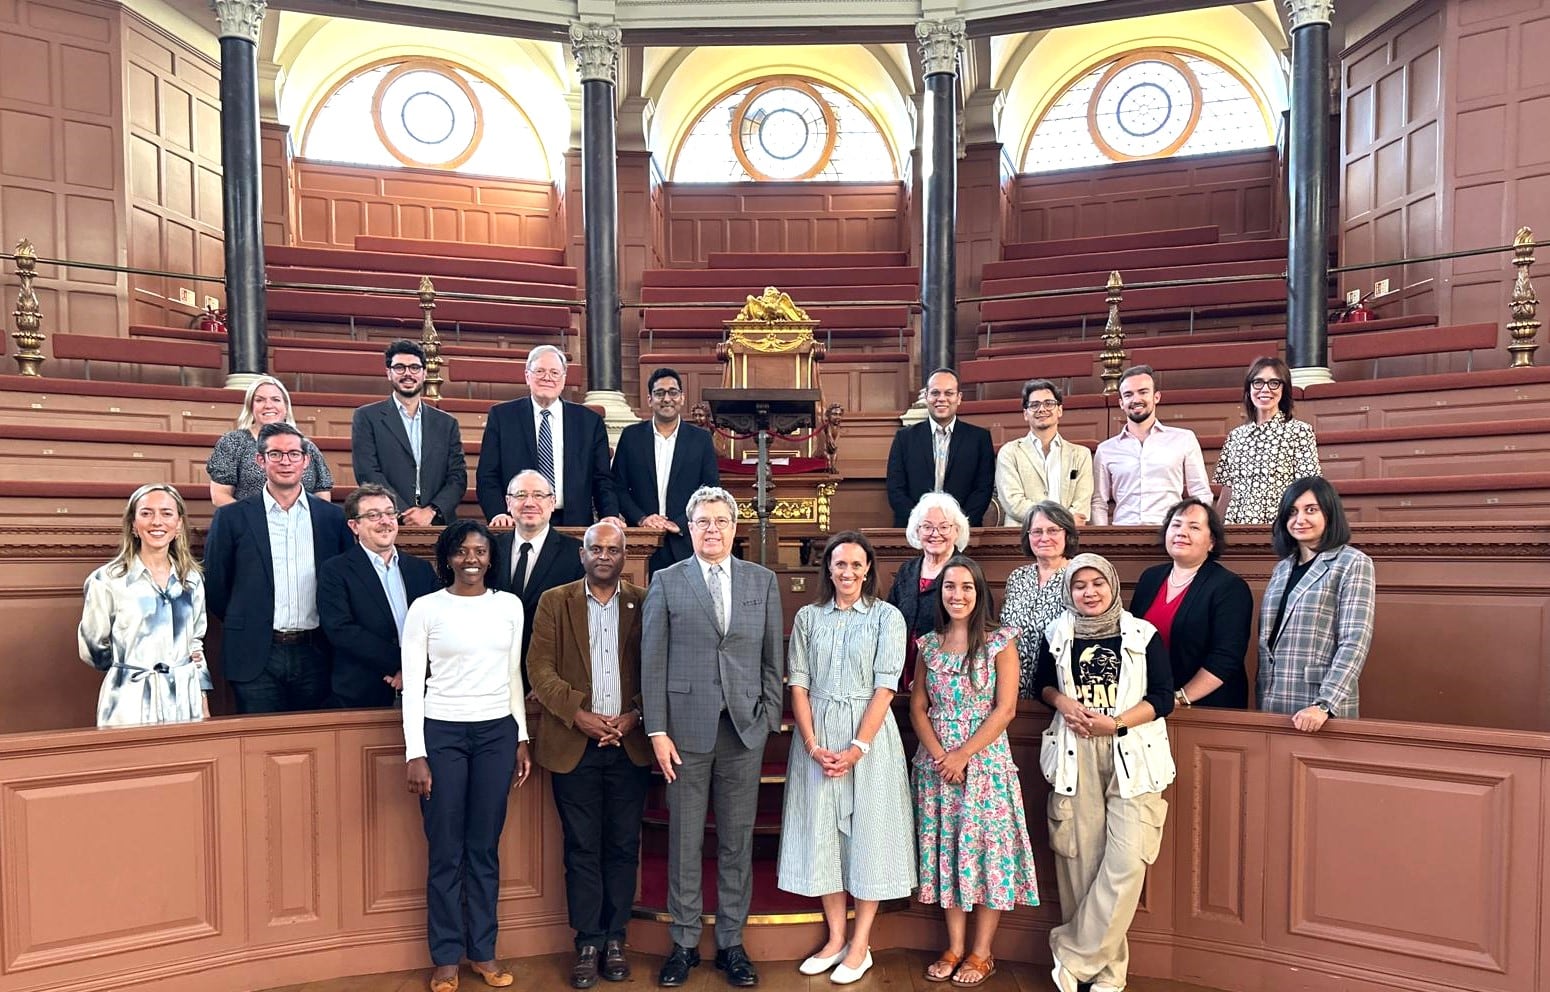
144	619
233	464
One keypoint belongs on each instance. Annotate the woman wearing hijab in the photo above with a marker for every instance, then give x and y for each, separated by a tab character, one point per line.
1107	676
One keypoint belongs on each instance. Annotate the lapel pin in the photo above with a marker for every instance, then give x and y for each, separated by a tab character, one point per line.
629	606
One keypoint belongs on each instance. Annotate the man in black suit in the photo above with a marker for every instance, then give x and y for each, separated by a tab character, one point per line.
363	597
408	446
261	562
535	557
658	464
941	454
564	442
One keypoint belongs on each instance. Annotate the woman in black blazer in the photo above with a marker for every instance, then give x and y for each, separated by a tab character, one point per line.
1201	610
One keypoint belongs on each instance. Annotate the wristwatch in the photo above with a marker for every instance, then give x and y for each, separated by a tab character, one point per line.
1120	730
1323	706
862	746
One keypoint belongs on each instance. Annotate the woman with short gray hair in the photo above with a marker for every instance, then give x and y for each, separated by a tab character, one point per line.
939	528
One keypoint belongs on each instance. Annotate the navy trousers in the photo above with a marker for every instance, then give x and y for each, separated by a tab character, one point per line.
472	766
600	803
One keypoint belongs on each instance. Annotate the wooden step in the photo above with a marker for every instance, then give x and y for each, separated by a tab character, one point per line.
1112	242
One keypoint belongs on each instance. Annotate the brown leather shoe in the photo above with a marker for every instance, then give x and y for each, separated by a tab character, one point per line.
583	974
616	967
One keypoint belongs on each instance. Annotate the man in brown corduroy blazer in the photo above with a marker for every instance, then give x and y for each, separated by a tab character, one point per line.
584	663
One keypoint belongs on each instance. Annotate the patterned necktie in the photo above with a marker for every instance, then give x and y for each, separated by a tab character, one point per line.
716	599
939	452
546	449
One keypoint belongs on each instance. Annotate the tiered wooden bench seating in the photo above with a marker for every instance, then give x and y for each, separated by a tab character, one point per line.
181	355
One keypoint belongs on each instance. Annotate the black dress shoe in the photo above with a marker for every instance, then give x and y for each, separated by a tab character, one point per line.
740	971
583	974
616	967
675	970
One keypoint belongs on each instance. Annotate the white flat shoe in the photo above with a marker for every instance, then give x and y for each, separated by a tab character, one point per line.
848	976
1064	980
816	965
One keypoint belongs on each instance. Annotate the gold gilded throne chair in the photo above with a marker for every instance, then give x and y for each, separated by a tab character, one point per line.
769	350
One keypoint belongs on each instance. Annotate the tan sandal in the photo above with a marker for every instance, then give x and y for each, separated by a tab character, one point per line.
499	978
444	984
948	960
980	968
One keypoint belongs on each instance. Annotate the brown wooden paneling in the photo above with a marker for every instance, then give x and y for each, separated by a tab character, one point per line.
335	203
173	134
274	146
62	156
1391	153
1233	190
701	218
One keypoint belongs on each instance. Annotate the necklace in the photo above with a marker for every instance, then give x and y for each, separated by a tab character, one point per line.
1187	579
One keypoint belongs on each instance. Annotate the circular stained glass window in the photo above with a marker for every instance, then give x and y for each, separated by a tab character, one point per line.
1146	106
427	117
783	130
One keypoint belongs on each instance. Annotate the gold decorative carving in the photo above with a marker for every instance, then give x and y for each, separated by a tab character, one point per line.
1523	329
1113	354
785	509
28	312
826	491
773	305
430	341
774	340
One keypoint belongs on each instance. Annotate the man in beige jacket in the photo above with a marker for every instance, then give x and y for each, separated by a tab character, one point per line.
1043	465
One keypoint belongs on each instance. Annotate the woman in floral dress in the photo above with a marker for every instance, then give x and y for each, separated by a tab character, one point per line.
974	848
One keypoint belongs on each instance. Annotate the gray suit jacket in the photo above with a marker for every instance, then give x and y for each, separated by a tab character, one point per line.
688	669
1322	645
380	452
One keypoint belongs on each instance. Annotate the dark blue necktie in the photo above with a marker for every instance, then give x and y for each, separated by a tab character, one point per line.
546	450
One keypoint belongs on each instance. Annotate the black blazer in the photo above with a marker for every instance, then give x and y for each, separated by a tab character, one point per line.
635	482
239	577
558	562
359	623
380	453
511	445
1210	631
970	475
919	608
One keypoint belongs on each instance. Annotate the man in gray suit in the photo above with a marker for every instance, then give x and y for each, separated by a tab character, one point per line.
711	669
410	446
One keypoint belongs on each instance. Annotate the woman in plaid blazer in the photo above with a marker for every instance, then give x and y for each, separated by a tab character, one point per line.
1315	623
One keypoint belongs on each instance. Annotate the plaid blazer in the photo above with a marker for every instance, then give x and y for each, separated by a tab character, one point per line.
1319	651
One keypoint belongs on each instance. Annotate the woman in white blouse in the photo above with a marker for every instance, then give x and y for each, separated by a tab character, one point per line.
144	618
465	740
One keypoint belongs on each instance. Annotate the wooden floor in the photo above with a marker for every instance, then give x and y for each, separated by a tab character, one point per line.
895	971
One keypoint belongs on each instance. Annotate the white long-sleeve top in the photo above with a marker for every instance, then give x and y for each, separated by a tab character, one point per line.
472	646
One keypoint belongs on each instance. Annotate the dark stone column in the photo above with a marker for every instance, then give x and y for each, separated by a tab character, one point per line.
941	43
596	49
1307	176
247	331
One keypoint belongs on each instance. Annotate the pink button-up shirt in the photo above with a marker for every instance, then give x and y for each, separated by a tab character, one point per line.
1143	479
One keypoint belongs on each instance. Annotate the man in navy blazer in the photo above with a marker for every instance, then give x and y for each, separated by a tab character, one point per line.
577	455
262	557
969	471
410	446
658	464
363	597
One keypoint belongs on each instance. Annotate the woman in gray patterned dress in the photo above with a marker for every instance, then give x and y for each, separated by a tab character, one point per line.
1260	459
144	619
233	465
1035	594
847	803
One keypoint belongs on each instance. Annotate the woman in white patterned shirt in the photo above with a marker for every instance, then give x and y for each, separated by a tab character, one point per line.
1261	458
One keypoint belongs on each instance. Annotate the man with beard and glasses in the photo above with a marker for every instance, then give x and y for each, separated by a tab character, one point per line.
408	446
658	465
1147	467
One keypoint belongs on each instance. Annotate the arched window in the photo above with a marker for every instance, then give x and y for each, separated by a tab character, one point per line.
784	129
425	114
1147	104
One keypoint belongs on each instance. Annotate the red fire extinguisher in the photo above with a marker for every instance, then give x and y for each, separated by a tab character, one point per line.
1356	313
213	319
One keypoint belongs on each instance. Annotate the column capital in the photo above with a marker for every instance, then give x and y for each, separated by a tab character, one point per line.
941	42
1305	12
596	46
239	18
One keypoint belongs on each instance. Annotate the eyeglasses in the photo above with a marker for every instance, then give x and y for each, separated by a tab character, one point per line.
1045	531
666	394
524	496
285	456
406	369
548	375
711	523
1263	385
929	529
1042	405
377	516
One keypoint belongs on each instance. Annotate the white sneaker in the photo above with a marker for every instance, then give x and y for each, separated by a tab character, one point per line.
1103	987
816	965
847	976
1063	979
